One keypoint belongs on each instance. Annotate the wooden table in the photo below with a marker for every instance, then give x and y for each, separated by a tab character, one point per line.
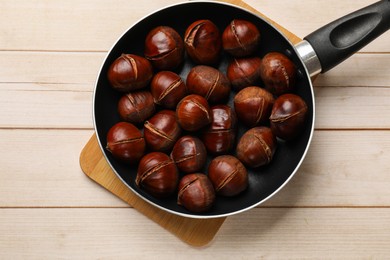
336	207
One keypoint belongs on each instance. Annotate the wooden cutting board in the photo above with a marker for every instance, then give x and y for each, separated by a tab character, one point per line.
196	232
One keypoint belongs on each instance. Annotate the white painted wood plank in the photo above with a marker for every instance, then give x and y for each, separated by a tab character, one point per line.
78	71
304	17
342	168
69	25
46	109
51	68
351	107
362	70
260	233
40	168
95	25
336	107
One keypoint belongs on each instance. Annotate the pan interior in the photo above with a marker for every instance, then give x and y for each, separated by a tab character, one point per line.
263	181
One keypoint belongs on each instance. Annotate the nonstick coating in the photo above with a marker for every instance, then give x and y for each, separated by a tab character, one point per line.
263	181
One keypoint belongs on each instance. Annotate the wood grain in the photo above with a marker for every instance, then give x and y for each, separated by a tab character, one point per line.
342	168
196	232
335	207
283	233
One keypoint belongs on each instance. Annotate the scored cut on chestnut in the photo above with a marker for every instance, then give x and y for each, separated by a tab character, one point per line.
240	38
278	73
157	174
129	72
189	154
125	142
288	116
193	112
164	48
135	107
167	89
256	147
208	82
203	43
228	175
253	105
243	72
196	192
161	131
219	137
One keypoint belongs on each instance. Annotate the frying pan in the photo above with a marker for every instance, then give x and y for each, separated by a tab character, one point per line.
317	53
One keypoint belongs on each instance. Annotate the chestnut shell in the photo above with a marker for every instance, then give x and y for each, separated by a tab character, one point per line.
125	142
164	48
288	116
157	174
189	154
161	131
203	43
129	72
228	175
208	82
256	147
196	192
220	136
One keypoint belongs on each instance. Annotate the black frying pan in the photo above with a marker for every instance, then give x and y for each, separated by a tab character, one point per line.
319	52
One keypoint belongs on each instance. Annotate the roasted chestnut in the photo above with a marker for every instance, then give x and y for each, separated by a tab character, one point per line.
208	82
256	147
202	41
278	73
136	107
243	72
157	174
125	142
228	175
162	131
164	48
219	137
167	89
288	116
240	38
253	105
196	192
193	112
130	72
189	154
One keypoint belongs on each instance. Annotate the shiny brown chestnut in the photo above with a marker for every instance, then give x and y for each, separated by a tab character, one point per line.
161	131
243	72
240	38
253	105
157	174
288	116
136	107
193	112
228	175
256	147
219	137
167	89
130	72
164	48
196	192
202	41
125	142
189	154
208	82
278	73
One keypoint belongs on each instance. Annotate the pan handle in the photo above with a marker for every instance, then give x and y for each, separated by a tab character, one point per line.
338	40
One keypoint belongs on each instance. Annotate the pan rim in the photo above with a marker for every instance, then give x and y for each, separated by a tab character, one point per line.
210	216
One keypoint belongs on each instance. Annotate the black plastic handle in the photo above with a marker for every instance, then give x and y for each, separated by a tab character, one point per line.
338	40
